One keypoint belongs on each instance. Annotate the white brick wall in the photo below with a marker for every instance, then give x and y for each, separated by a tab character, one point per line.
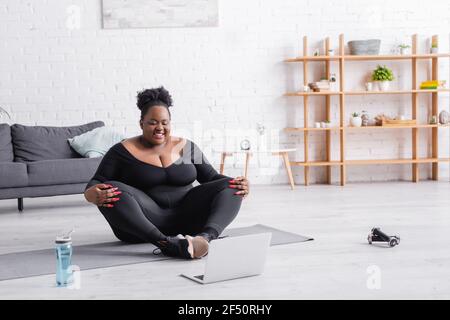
225	78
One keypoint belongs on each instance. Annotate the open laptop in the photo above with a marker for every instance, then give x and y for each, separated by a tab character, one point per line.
234	257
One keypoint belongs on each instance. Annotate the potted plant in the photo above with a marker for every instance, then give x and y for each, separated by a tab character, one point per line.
404	48
383	75
434	48
327	124
356	120
433	120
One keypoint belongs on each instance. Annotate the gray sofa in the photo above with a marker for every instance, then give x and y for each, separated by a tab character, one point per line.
37	161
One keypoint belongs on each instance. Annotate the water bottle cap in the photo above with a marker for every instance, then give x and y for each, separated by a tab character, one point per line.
65	238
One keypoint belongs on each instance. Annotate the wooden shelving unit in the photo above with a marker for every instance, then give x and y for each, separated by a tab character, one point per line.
369	58
341	58
362	93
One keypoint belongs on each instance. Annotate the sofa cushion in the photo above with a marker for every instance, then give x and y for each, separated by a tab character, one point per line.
95	143
6	148
61	171
35	143
13	174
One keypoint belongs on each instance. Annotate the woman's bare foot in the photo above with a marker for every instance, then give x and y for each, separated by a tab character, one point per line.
198	246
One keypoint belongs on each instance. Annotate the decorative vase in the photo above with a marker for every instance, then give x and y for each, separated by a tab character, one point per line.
245	144
365	119
383	85
434	50
356	121
404	51
444	117
364	47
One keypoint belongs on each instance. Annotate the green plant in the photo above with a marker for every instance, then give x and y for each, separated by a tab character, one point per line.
355	114
433	120
382	73
404	46
434	45
327	121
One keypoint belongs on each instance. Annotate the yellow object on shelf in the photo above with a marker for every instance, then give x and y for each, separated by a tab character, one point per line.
430	83
433	84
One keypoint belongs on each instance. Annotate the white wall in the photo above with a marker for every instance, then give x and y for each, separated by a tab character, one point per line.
225	78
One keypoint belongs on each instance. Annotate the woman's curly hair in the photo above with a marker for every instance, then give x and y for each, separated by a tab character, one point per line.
148	98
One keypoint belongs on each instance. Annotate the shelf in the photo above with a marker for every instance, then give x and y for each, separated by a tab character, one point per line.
323	93
417	126
361	93
367	162
316	163
396	127
313	58
369	57
391	161
311	129
395	57
340	129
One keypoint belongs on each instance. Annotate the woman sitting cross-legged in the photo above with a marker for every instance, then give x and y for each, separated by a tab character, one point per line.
143	187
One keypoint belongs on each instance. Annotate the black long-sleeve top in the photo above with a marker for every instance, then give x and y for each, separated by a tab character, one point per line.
167	186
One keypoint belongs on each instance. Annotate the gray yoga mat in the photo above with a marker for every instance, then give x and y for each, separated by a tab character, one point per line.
109	254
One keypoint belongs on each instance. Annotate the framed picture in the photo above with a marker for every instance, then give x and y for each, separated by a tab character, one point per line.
123	14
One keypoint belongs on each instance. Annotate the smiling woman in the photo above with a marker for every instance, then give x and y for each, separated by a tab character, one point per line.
143	186
155	125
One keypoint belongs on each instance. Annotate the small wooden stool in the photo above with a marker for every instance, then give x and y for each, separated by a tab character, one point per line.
283	153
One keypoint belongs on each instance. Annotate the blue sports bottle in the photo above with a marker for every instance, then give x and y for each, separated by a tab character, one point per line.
64	272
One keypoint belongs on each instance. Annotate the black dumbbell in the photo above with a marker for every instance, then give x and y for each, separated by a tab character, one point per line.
377	236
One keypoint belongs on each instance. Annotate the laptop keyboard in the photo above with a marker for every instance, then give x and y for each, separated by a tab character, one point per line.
199	277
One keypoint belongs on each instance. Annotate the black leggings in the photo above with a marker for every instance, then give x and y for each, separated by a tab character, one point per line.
137	218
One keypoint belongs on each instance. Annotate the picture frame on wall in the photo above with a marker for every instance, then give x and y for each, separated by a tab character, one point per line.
124	14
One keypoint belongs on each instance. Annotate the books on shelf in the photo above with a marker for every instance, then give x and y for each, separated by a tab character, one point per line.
432	85
323	86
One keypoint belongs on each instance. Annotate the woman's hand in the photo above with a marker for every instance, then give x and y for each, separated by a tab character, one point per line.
242	184
102	195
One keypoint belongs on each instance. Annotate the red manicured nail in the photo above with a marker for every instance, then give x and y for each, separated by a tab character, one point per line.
232	180
118	192
233	187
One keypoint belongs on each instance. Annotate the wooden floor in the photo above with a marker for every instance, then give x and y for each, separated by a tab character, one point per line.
334	266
